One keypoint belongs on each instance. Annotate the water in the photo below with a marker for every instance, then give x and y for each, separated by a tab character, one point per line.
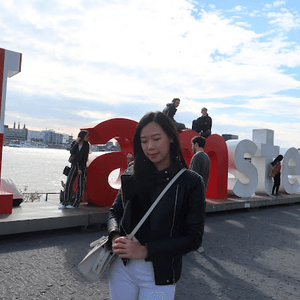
36	169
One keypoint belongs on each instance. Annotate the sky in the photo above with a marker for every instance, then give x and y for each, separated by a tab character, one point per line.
87	61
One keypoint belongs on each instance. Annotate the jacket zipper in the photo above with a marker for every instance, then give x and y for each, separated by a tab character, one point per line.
173	223
174	212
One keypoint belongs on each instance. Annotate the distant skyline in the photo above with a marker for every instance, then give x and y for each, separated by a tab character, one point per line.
88	61
21	125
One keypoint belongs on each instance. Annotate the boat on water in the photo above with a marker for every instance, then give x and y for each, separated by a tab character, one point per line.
26	144
14	143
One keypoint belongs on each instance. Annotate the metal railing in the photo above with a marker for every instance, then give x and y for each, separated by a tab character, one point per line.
38	193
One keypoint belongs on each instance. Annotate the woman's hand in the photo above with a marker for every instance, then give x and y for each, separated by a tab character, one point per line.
115	236
79	172
125	248
129	158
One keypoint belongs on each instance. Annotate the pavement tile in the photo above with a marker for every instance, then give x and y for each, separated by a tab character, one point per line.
251	254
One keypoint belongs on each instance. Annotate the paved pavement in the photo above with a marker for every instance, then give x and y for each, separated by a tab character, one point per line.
38	216
248	255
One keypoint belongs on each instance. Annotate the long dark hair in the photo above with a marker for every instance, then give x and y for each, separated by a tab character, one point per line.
142	164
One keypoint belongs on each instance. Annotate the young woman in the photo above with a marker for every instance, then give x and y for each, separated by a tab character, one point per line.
275	173
149	265
79	154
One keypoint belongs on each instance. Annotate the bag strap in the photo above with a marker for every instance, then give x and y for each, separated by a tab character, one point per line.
137	227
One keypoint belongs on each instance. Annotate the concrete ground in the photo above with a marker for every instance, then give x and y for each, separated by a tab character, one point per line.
39	216
248	255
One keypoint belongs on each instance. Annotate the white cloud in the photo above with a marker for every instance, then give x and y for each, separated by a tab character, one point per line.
238	8
268	6
37	123
243	24
285	134
144	51
276	105
209	56
278	3
93	114
255	13
286	21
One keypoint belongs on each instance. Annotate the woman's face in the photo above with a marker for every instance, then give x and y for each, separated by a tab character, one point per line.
86	138
156	145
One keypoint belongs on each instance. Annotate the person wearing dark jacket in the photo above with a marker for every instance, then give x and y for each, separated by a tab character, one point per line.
170	111
79	154
200	163
203	124
275	173
149	265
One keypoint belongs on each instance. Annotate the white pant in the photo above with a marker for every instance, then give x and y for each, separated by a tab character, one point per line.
135	281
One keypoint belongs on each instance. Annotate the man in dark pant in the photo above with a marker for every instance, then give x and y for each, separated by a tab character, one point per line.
170	111
200	163
203	124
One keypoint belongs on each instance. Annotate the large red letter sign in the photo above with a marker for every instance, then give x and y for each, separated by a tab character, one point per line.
102	193
97	187
216	149
185	137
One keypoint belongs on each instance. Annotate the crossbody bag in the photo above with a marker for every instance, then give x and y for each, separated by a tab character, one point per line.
99	259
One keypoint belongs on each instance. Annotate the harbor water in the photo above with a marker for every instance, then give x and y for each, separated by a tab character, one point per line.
37	170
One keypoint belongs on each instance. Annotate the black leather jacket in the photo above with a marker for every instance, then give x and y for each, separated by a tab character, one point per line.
79	157
176	224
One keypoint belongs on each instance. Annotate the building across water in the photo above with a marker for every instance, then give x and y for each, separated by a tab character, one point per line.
15	134
23	137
